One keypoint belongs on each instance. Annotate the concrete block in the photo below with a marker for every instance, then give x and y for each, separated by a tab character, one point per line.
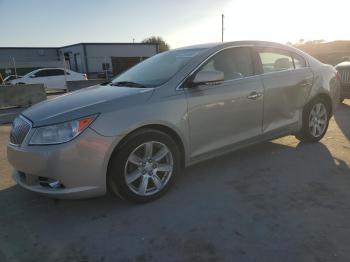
9	114
21	95
76	85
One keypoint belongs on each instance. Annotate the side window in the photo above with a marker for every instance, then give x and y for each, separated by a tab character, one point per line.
55	72
41	73
234	63
274	61
299	62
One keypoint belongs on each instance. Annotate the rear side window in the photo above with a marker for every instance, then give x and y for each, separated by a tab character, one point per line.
41	73
299	62
275	61
234	63
55	72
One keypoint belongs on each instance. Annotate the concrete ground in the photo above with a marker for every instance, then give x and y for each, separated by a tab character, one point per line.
276	201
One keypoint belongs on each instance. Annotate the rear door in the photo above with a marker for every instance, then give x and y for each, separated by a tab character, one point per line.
287	83
55	79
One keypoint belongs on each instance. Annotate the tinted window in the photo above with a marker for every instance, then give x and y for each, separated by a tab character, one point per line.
55	72
41	73
274	61
299	62
234	63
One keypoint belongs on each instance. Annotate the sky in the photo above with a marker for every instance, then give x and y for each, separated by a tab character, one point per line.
180	22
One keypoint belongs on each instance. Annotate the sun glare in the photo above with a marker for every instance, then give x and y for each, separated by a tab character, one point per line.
273	20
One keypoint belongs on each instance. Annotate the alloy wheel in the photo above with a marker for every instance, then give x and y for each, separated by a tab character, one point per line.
318	120
148	168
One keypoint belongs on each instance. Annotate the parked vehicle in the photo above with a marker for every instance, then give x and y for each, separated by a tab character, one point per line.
135	134
8	78
52	78
344	71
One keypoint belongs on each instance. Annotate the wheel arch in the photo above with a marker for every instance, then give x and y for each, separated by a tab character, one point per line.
159	127
325	97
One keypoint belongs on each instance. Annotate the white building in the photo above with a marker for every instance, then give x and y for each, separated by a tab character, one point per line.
89	58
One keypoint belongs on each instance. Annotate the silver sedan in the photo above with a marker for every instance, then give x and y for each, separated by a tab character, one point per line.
134	135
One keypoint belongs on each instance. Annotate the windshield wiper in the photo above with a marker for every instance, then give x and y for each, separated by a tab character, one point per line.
106	83
127	83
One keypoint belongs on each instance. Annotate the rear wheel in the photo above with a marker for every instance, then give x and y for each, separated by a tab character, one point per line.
316	116
145	166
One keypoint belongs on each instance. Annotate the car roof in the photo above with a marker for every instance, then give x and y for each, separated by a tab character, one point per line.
45	68
210	48
235	43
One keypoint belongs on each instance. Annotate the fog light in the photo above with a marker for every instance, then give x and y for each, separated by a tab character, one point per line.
51	183
55	184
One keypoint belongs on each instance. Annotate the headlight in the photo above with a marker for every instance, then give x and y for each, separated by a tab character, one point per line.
60	133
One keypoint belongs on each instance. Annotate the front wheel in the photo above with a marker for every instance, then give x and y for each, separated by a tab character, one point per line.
144	167
315	121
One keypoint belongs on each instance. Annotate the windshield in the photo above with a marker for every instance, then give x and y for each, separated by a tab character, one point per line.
158	69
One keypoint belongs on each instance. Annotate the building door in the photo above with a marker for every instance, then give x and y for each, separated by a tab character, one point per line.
78	63
121	64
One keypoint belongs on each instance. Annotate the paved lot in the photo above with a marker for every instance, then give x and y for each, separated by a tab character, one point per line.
277	201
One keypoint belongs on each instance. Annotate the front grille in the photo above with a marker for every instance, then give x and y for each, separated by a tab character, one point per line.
20	128
344	76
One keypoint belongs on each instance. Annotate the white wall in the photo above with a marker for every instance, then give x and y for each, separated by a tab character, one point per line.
97	54
75	50
28	57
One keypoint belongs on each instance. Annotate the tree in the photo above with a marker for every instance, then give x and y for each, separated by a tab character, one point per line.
163	46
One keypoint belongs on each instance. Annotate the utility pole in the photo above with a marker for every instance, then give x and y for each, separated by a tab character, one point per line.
222	28
14	65
106	69
65	70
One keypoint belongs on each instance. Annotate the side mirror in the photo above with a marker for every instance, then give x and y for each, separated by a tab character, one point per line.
207	78
32	76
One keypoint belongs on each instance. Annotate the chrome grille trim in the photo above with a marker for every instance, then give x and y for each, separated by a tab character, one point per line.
344	76
20	129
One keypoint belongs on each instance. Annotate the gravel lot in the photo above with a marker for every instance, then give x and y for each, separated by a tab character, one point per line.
276	201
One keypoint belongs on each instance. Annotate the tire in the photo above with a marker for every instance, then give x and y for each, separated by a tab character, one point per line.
315	121
134	177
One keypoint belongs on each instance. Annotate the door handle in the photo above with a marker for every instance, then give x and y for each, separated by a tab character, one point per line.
254	96
305	83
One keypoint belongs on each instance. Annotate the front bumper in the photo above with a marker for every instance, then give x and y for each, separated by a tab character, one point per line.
79	165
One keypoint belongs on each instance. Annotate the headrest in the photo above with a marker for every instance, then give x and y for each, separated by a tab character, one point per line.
282	64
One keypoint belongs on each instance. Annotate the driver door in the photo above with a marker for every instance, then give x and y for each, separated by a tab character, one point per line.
229	112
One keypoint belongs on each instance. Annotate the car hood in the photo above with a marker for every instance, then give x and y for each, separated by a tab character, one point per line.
88	101
343	64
